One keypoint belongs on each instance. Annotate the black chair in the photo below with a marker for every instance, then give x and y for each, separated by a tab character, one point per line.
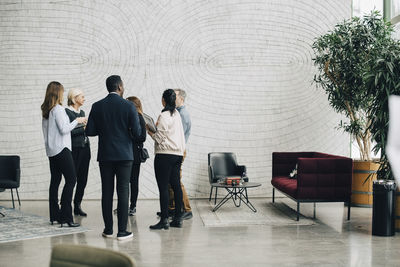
221	165
10	174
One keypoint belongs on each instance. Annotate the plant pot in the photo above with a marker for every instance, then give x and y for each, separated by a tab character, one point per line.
361	195
383	211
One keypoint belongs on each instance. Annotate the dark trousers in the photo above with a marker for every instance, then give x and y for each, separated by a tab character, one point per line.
108	171
61	164
81	156
134	184
166	167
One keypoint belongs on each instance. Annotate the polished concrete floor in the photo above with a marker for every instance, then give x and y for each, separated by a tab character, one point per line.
332	241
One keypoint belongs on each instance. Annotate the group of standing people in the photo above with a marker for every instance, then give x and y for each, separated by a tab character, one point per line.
121	131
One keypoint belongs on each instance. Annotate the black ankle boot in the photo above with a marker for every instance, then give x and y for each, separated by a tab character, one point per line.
53	221
78	210
162	224
176	222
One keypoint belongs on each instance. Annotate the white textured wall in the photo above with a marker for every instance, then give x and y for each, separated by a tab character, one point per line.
246	66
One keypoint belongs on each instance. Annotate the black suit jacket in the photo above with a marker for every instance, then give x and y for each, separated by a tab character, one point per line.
113	119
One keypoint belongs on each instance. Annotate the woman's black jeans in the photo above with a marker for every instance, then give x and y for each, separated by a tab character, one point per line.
61	164
167	167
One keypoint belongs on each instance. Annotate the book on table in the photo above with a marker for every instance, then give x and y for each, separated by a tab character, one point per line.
233	180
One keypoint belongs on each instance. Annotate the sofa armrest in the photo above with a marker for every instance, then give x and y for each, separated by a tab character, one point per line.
324	178
284	162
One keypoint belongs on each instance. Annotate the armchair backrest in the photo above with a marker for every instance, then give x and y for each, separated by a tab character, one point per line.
9	171
222	164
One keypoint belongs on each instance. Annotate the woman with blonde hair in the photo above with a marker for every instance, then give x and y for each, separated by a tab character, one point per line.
57	138
80	146
137	146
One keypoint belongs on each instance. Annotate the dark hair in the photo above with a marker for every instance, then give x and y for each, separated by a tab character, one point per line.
113	82
169	97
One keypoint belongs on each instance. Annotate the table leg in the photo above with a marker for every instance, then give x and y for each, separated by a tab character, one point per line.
224	200
237	192
234	194
246	201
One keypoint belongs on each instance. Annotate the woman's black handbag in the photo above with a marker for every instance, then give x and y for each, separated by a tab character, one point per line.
143	154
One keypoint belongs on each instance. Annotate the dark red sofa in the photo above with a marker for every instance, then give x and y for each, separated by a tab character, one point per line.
320	177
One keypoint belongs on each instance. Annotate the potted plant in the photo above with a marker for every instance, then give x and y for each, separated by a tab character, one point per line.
340	58
382	79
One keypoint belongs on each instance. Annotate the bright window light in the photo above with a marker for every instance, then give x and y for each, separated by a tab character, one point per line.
362	7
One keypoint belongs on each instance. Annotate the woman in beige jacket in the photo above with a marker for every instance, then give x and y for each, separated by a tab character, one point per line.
169	145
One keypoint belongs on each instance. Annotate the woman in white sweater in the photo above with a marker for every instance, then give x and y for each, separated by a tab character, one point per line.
169	145
57	138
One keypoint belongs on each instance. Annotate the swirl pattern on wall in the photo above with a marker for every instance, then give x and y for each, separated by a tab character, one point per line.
246	66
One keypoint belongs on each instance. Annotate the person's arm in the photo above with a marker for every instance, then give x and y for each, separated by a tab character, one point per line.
45	126
80	128
63	126
91	129
186	123
142	137
162	129
187	128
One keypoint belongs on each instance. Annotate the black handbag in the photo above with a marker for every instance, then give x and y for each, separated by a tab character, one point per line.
143	154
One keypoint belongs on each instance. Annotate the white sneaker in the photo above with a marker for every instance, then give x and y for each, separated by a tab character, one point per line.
107	235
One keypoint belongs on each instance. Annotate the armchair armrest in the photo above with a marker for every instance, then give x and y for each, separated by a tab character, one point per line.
242	170
211	176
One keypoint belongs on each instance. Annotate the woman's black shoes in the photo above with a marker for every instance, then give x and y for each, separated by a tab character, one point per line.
71	224
78	210
162	224
54	221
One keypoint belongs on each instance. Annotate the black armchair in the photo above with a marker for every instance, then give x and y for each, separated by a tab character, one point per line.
221	165
10	174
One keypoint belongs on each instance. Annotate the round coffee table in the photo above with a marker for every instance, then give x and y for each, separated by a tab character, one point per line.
238	194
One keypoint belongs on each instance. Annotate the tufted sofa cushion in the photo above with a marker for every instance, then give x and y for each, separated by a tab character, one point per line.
320	176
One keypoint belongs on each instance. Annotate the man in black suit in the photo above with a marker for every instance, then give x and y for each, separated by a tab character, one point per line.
114	120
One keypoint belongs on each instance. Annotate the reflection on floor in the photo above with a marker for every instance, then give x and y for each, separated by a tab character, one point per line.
332	241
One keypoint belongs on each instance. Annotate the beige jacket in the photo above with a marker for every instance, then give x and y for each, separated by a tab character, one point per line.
169	138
